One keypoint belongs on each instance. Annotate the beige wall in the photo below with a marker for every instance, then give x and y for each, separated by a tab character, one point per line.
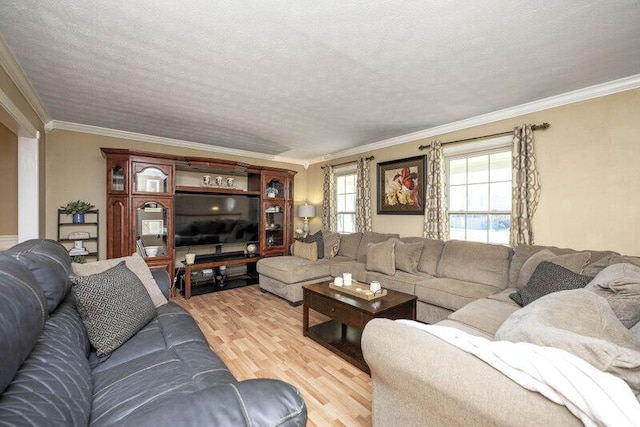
588	163
9	182
77	170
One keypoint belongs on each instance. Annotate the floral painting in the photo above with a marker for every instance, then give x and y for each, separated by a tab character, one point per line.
401	186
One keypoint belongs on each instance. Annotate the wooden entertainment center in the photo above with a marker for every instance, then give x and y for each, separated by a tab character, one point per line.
140	201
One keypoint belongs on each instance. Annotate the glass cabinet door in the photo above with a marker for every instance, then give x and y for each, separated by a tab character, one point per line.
274	225
151	180
151	230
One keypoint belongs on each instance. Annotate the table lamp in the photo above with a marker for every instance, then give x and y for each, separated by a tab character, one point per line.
306	211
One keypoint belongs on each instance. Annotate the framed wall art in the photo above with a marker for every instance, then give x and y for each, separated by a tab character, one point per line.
402	186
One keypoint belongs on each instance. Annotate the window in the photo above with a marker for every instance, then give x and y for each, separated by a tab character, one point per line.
346	201
480	196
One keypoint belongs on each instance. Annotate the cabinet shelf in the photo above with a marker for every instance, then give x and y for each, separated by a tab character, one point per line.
219	190
88	239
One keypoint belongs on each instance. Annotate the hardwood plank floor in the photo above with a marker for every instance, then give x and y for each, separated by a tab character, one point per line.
259	335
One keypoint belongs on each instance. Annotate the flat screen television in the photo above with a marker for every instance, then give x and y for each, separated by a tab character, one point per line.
213	219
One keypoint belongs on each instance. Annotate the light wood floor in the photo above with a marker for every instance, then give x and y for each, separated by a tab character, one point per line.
259	335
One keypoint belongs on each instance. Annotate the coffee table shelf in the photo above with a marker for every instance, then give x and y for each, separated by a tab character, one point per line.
349	315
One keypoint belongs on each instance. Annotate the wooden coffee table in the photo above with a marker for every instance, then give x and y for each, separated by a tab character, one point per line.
349	315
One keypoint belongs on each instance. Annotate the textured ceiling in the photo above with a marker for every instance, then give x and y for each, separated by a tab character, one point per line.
306	79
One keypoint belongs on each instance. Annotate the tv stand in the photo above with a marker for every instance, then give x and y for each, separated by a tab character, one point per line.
207	262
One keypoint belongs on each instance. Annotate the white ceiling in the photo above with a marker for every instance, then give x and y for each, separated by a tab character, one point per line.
305	79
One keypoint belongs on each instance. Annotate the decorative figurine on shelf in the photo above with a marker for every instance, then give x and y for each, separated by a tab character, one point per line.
270	241
272	192
252	248
221	276
77	208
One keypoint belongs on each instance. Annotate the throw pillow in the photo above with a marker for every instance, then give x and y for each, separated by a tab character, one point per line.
317	238
114	305
349	245
381	257
331	244
582	323
134	263
547	278
574	262
408	255
619	284
305	250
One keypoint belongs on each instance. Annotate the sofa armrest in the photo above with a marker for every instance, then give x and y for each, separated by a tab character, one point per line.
163	280
416	377
257	402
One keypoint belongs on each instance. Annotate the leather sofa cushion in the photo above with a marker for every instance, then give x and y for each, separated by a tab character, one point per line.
53	385
452	294
169	358
486	315
292	269
50	264
475	262
349	244
23	311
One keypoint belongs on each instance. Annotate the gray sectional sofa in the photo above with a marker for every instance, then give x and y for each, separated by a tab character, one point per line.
165	375
419	379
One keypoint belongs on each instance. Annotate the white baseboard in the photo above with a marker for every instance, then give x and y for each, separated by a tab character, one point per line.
6	241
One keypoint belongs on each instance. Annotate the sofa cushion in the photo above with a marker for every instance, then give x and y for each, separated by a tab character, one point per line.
580	322
619	284
134	263
292	269
408	255
53	386
430	257
114	305
574	262
357	269
306	250
349	244
548	278
317	238
331	244
50	264
381	257
486	315
23	311
596	267
400	281
370	237
451	294
475	262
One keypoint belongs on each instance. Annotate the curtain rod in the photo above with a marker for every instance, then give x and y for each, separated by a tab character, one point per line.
542	126
348	163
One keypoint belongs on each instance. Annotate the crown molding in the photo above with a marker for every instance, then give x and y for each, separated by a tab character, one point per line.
595	91
14	119
16	73
114	133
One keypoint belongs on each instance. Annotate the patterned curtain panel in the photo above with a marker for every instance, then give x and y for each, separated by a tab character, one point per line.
329	200
526	187
363	196
436	217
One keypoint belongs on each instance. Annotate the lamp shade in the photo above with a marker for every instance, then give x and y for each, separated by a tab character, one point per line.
306	211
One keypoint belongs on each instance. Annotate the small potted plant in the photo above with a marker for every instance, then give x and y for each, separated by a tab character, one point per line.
77	208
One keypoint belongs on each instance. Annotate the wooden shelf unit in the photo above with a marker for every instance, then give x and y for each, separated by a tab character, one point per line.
137	177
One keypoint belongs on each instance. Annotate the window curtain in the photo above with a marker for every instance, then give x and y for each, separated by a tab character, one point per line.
436	217
329	200
526	187
363	195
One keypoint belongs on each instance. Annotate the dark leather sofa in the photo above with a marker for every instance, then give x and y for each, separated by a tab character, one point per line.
166	375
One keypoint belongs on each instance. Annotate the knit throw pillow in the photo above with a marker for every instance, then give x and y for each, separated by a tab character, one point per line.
114	306
548	278
305	250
